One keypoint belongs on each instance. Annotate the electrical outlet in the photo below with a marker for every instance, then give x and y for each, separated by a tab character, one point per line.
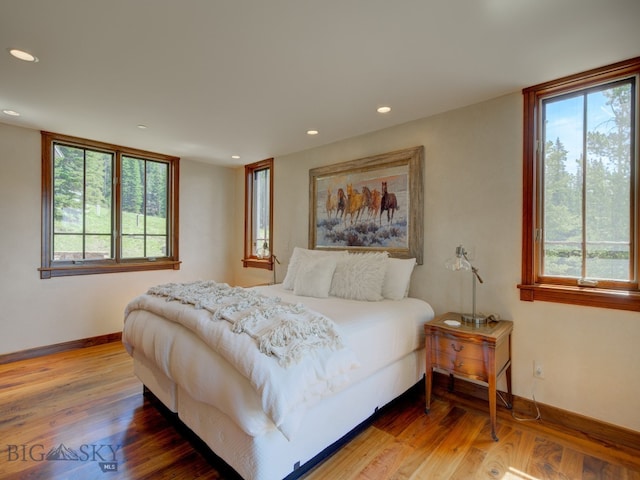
538	370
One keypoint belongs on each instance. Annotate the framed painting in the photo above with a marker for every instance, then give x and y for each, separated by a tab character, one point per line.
369	204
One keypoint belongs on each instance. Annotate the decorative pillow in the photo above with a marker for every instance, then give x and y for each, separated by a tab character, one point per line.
359	276
296	258
314	276
397	278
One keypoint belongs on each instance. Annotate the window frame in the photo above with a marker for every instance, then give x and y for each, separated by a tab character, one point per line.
533	285
250	259
51	268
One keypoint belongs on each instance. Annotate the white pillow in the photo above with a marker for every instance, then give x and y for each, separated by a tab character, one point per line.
359	276
298	255
397	278
314	276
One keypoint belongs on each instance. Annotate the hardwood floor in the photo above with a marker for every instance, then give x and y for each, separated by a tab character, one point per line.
90	402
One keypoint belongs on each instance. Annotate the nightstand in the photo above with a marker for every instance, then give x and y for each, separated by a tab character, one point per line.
481	353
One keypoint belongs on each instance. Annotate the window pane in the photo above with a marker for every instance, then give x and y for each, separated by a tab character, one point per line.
97	247
67	247
156	204
608	183
156	246
562	171
144	204
82	203
133	246
261	210
98	192
132	192
68	196
587	184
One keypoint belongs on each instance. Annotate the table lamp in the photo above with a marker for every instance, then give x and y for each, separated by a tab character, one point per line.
461	262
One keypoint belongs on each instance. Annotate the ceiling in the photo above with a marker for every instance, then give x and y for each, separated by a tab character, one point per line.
215	78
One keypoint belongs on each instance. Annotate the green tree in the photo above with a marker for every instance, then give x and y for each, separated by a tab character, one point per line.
562	198
157	189
132	185
609	162
68	182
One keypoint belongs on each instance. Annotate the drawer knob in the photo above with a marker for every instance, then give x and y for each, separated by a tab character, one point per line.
457	348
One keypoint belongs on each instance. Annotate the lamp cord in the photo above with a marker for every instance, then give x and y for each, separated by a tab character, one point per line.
531	419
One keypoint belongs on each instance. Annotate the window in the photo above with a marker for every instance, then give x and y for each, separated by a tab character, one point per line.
258	218
106	208
581	211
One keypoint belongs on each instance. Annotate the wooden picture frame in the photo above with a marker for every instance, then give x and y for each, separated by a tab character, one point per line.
348	208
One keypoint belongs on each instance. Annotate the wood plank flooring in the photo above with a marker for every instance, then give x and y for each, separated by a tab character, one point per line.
89	403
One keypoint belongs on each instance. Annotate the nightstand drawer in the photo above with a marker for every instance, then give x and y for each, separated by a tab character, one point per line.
466	358
459	356
451	346
469	367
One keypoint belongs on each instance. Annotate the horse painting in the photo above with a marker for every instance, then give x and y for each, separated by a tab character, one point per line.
374	205
342	203
354	203
332	203
388	202
366	200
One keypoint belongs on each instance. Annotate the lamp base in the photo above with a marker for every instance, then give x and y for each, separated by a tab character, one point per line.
476	319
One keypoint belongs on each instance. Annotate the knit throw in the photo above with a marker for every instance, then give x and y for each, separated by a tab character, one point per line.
283	330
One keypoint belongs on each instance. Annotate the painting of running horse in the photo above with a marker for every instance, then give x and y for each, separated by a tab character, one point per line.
373	203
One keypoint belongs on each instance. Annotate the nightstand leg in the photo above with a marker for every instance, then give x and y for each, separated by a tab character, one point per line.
492	407
428	381
508	372
428	385
492	381
509	392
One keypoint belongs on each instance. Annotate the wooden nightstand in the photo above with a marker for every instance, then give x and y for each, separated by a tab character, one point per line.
477	352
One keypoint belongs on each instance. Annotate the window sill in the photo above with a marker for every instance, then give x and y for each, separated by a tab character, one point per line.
257	263
91	269
585	296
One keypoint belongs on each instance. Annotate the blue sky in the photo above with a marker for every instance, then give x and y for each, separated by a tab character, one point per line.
565	121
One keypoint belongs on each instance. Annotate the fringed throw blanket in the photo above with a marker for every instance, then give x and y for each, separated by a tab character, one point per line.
291	355
286	331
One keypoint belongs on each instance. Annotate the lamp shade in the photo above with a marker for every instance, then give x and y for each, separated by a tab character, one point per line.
459	261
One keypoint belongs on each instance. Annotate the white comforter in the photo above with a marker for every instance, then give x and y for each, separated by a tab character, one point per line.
283	387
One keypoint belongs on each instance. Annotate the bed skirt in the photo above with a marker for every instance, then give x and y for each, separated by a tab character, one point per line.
272	456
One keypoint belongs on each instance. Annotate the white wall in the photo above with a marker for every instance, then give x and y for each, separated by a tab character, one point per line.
35	312
473	196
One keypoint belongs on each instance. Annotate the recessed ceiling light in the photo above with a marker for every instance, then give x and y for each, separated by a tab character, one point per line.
12	113
22	55
235	157
312	132
384	109
142	126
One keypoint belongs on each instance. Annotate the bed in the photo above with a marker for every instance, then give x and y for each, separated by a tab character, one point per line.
269	377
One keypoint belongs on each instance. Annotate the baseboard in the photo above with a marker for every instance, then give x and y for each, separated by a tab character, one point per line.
59	347
558	419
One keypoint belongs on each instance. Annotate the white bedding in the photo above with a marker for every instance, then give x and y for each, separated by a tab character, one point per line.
378	333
